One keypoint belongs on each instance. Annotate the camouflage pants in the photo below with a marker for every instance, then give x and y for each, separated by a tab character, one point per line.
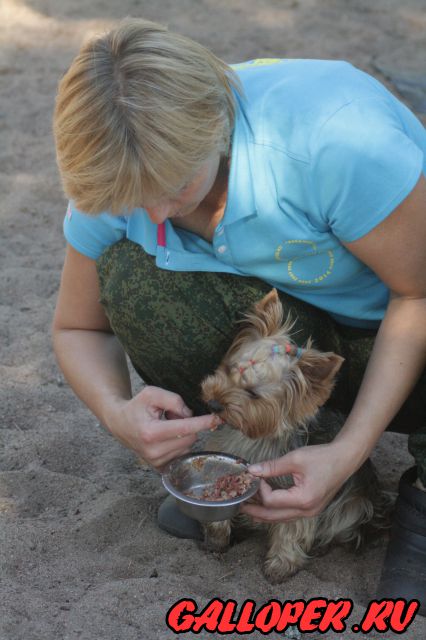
176	326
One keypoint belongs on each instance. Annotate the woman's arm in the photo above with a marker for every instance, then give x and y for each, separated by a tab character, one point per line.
95	366
396	251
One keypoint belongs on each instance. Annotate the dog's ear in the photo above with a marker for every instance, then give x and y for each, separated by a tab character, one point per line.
319	370
268	314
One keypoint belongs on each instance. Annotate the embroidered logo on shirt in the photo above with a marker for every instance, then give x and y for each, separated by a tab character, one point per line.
303	258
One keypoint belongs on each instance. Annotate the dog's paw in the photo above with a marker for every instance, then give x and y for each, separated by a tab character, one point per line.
278	569
211	545
217	536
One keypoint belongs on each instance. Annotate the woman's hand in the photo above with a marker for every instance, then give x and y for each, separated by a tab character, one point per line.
157	425
318	472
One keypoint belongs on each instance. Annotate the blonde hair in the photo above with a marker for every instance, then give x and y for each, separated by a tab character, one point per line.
137	114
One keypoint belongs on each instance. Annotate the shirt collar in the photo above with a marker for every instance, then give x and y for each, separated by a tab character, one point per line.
240	202
240	199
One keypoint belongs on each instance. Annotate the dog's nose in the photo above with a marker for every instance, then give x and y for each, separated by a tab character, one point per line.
214	406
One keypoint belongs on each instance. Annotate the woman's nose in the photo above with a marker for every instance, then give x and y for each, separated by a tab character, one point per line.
159	213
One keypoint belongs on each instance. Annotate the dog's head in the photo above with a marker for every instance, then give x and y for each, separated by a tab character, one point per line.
266	385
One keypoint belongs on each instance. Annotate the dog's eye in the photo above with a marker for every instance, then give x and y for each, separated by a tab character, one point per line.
252	393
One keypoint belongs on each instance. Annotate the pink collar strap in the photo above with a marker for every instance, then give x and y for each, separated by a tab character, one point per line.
161	235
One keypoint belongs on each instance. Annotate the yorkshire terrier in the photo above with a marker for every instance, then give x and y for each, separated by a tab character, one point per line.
268	393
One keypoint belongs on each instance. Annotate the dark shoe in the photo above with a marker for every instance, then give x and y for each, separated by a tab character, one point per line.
171	519
404	569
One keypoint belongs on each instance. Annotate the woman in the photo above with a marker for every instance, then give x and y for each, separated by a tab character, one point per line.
195	187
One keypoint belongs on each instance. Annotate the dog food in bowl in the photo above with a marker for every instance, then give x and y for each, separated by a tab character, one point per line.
210	486
230	485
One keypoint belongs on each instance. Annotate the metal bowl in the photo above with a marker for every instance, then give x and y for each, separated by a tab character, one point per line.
195	472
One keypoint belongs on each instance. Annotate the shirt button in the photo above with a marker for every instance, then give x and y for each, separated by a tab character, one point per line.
222	248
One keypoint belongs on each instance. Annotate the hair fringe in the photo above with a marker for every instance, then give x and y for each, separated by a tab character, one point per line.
137	114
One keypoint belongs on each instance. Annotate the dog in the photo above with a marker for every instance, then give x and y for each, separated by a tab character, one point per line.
269	394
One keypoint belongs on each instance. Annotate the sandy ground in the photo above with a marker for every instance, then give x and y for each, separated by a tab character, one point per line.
81	555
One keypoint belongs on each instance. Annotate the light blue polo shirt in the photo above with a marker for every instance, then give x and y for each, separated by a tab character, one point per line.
321	153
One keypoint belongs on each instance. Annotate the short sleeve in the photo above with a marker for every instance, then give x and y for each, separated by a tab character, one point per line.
91	235
363	166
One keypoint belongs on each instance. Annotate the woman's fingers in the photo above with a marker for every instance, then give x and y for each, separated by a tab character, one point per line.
161	404
277	467
168	439
190	426
318	471
161	400
277	505
164	453
159	431
159	427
